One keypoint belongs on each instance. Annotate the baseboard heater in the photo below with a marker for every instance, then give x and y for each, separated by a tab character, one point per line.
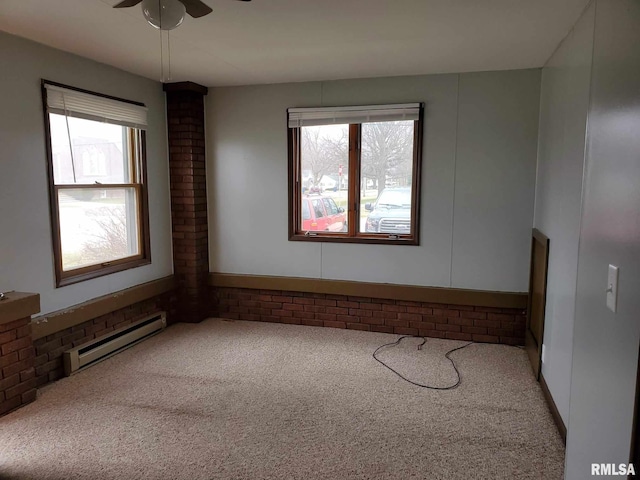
94	351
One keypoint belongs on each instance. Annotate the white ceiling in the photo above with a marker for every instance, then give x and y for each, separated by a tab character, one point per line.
273	41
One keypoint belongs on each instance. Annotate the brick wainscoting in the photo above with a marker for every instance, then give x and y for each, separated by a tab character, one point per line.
17	373
456	322
17	354
48	350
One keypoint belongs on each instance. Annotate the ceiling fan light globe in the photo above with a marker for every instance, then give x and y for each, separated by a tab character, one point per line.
163	14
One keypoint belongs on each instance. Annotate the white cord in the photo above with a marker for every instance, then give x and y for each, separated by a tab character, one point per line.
66	118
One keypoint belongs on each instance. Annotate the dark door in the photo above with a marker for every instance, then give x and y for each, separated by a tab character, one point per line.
537	299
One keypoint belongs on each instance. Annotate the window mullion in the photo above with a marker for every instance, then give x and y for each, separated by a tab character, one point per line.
354	177
140	213
134	155
295	186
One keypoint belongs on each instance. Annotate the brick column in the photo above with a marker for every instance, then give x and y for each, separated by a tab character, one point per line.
17	354
185	118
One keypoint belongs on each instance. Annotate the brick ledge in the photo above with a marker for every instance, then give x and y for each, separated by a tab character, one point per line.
17	305
455	296
54	322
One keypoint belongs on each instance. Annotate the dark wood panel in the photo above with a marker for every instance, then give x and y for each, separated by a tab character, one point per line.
537	299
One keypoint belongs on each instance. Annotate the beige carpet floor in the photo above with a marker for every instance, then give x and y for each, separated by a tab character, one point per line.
245	400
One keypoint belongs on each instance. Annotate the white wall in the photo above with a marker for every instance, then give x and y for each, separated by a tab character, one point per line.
495	179
564	102
477	185
26	258
605	344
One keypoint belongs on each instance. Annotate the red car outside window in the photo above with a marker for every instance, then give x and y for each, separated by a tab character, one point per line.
321	214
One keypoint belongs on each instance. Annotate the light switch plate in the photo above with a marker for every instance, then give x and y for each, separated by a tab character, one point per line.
612	288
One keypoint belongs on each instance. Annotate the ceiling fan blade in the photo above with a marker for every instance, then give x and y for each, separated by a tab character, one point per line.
196	8
127	3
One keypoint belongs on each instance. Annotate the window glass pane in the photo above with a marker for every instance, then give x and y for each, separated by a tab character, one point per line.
318	210
324	167
306	214
386	177
99	151
330	206
97	225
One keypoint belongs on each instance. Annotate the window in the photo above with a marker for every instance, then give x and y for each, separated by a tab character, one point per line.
96	151
355	173
330	206
317	207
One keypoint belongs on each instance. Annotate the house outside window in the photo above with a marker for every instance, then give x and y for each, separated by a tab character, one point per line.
354	173
97	181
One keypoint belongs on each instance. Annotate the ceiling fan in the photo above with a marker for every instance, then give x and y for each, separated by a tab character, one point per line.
168	14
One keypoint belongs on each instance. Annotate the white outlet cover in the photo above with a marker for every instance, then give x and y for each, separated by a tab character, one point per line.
612	288
542	355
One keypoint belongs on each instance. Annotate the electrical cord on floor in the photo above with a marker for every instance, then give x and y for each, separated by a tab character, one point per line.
424	340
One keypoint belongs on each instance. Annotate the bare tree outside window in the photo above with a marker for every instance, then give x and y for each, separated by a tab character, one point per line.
387	153
324	149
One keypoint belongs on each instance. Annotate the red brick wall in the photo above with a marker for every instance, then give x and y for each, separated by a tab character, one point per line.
185	116
48	350
456	322
17	373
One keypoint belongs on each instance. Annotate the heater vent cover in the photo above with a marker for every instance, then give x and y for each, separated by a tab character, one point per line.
98	349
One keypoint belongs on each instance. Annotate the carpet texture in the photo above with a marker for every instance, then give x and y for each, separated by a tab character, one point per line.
250	400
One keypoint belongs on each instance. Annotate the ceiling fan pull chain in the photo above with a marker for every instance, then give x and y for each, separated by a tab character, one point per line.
161	42
168	56
161	58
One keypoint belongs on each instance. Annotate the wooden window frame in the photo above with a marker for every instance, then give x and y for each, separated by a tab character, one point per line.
138	158
353	202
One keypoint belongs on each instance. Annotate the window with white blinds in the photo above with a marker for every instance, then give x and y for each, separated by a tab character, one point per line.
96	159
66	101
355	173
306	117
